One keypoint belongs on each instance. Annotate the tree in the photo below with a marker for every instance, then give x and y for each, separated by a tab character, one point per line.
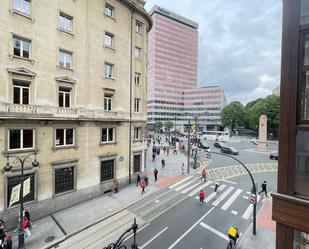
233	114
158	126
168	125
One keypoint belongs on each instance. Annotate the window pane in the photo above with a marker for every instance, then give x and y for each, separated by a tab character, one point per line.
67	100
61	59
16	47
111	134
16	97
25	96
302	163
59	137
69	136
26	6
137	163
28	138
26	49
108	70
61	22
104	135
301	240
304	12
108	40
107	170
60	99
15	142
68	61
64	180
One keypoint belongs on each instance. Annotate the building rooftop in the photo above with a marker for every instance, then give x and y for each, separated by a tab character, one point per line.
172	15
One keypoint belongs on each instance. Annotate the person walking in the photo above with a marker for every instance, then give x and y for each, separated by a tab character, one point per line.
203	175
26	226
143	186
167	151
153	157
202	196
138	180
164	150
146	180
158	151
115	183
163	163
264	188
155	173
216	187
183	168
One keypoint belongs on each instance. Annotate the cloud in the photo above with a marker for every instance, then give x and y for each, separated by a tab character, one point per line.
239	43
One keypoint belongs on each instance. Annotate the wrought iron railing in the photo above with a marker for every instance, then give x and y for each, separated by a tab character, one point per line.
118	244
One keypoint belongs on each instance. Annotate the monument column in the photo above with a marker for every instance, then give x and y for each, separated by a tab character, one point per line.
262	145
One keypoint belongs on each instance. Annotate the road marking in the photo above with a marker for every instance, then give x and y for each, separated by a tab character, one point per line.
249	193
191	187
180	182
190	229
185	185
222	196
153	238
157	201
249	210
231	199
223	236
200	187
245	197
234	212
229	182
212	195
136	232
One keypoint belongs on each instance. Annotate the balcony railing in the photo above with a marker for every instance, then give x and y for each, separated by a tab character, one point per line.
31	109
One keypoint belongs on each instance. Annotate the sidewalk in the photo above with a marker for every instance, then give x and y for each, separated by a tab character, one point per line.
54	229
265	230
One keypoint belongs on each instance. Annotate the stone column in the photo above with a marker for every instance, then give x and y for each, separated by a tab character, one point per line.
262	145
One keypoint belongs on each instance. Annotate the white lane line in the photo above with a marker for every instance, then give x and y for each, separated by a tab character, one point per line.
212	195
191	187
200	187
185	184
190	229
136	232
153	238
223	236
231	199
180	182
234	212
156	201
249	193
229	182
222	196
245	197
249	210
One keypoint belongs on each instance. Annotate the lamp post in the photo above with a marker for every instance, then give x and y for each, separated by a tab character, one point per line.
175	132
8	167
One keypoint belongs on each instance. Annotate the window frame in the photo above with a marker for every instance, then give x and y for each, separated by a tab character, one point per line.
140	163
111	75
21	139
21	41
21	11
65	93
137	78
107	131
137	53
109	9
137	105
66	17
137	133
66	53
138	27
108	102
102	160
65	145
111	36
21	88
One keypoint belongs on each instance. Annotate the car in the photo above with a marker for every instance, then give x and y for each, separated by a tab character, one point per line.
229	150
273	155
219	145
203	145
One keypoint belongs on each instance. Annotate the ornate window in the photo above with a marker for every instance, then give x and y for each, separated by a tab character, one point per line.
21	139
64	179
64	137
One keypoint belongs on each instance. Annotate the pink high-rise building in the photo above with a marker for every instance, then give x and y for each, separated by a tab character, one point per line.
172	73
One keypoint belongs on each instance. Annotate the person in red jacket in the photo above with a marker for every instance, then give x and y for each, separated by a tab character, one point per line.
203	175
143	186
26	226
202	196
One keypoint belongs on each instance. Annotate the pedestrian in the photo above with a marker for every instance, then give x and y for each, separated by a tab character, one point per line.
167	151
138	180
153	157
27	214
155	173
154	150
26	226
8	242
264	188
143	185
163	163
216	187
158	151
146	180
202	196
203	175
183	168
2	234
115	183
164	150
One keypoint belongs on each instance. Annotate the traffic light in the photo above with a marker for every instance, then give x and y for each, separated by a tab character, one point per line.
253	199
208	153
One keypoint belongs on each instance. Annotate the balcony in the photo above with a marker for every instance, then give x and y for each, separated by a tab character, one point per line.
50	112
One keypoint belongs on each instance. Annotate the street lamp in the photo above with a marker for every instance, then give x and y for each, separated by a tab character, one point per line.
7	168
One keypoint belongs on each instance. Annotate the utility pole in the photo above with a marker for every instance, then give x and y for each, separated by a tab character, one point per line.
188	163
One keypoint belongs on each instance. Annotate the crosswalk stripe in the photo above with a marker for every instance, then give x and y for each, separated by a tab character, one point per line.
185	185
191	187
201	187
249	210
231	199
212	195
222	196
180	182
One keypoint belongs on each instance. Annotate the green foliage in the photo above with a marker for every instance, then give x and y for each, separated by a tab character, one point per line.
233	114
158	126
168	125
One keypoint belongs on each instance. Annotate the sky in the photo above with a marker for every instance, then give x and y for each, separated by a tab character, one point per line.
239	43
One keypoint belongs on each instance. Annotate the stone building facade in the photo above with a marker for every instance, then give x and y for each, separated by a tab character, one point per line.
72	90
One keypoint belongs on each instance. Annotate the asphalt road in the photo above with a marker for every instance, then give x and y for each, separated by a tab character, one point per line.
192	225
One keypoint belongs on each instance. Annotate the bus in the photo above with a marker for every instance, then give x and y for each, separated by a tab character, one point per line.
223	136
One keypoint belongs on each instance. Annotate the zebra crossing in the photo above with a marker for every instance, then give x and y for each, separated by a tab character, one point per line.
227	198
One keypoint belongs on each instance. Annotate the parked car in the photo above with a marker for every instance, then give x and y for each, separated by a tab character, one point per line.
219	145
274	155
229	150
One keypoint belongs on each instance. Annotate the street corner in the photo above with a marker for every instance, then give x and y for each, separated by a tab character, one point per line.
264	218
168	180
